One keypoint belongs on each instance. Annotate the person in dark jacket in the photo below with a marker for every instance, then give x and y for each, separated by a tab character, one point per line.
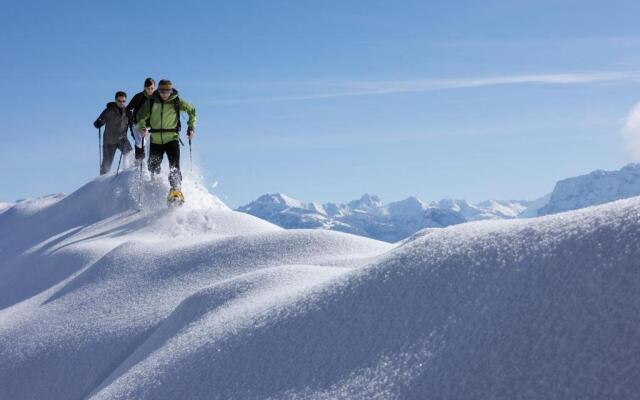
116	120
132	111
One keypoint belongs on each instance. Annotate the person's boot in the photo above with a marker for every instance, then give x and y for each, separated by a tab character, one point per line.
139	153
175	197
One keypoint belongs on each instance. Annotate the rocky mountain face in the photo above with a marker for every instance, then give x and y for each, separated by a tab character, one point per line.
598	187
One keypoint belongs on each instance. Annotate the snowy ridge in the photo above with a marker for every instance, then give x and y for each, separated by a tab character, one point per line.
110	304
92	281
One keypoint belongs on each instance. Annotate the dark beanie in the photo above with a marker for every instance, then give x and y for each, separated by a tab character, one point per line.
165	84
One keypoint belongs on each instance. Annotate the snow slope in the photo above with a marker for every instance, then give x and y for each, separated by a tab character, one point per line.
87	279
226	306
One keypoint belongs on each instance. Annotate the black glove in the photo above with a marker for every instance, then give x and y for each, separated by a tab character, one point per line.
98	123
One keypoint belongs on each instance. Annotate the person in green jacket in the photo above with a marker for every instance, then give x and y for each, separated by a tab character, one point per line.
160	116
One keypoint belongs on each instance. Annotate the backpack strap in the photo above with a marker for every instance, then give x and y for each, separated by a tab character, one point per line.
150	101
176	105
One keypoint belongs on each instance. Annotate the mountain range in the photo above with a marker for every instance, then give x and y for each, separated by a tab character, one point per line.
369	216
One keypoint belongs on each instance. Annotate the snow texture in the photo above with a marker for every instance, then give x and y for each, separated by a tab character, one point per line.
100	301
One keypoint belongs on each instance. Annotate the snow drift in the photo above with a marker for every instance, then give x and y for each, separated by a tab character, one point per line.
104	302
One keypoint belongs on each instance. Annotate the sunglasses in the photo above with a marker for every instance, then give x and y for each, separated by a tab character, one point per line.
164	91
122	101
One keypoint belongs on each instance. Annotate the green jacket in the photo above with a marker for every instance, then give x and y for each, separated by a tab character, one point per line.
162	118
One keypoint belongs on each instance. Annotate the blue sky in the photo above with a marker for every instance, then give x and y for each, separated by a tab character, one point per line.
328	100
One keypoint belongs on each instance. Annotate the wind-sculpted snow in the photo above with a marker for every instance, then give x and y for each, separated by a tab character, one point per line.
522	309
83	283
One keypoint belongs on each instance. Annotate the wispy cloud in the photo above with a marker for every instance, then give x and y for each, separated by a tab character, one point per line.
592	42
335	89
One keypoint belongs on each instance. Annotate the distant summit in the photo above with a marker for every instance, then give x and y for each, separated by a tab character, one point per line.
368	204
598	187
5	206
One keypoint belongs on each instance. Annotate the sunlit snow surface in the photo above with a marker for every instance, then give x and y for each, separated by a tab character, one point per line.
99	300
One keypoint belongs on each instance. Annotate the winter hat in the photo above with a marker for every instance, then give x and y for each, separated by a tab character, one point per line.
165	84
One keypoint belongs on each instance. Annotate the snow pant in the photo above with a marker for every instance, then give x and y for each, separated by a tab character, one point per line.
137	137
156	152
109	151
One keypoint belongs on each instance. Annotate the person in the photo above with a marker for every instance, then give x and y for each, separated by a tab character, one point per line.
115	133
160	116
133	108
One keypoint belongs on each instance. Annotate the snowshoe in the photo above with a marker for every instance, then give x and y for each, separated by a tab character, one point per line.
175	198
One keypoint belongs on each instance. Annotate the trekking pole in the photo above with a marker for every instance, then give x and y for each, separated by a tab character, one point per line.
124	142
140	182
190	157
99	150
119	161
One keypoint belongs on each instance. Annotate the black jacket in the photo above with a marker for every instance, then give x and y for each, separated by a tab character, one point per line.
116	122
134	105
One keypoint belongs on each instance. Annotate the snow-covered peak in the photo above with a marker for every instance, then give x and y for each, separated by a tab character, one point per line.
277	201
369	204
595	188
469	211
505	209
336	210
317	207
453	204
4	206
409	206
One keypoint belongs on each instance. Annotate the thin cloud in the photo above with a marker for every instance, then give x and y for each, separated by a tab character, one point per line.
328	90
588	42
